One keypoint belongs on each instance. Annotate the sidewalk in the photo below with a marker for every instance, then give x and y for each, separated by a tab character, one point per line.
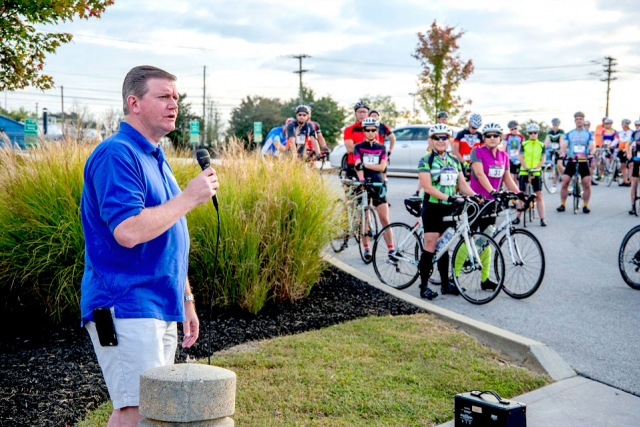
572	401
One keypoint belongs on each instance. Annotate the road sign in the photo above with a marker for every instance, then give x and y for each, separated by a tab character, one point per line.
194	131
30	132
257	132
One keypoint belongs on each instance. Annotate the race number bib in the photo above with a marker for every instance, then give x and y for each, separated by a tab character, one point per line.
466	157
301	139
496	171
371	159
514	152
448	177
555	145
579	149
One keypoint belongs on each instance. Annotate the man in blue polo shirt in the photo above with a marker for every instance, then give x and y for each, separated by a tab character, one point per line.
136	241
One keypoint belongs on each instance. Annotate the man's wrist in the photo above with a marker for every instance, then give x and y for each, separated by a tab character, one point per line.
189	298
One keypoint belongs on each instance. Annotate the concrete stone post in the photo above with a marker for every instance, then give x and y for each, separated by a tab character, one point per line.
187	395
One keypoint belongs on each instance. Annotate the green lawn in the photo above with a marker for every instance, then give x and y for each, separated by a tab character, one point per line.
376	371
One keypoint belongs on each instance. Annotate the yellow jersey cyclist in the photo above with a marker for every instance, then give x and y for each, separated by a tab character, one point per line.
578	148
532	158
440	175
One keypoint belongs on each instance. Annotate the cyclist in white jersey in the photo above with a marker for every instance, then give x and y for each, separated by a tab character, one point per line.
623	139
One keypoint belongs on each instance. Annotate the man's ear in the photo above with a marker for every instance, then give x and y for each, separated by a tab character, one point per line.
133	103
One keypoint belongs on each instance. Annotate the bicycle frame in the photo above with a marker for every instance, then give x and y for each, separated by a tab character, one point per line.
356	202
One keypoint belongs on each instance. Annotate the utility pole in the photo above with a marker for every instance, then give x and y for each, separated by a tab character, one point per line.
62	100
36	111
203	132
300	71
414	100
608	69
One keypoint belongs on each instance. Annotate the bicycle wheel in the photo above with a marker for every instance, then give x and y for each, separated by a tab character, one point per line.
524	263
399	270
608	173
547	179
370	229
472	276
629	258
339	243
576	196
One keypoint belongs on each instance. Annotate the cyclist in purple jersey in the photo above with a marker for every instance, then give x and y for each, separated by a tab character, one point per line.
370	160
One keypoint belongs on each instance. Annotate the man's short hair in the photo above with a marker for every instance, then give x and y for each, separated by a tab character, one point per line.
135	82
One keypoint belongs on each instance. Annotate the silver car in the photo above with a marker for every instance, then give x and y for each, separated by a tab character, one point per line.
411	145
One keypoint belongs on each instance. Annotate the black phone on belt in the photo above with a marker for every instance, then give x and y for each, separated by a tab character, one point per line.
105	327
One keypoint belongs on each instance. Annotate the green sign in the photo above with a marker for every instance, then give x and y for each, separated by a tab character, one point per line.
257	132
194	131
30	133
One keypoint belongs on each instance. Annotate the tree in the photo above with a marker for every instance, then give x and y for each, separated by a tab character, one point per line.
18	115
442	72
213	133
23	48
544	129
330	116
269	111
180	137
389	113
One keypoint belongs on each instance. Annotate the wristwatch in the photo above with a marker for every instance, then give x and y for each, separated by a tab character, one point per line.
188	298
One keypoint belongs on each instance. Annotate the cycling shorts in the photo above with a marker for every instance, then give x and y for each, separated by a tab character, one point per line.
514	168
583	169
350	172
622	155
635	173
374	195
432	214
536	183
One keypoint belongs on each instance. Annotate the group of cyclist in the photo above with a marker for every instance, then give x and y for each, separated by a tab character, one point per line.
300	135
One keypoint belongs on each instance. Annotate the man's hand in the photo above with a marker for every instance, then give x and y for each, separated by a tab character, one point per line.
191	325
202	188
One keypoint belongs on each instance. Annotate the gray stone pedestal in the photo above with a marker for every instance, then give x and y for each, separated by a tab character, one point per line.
187	395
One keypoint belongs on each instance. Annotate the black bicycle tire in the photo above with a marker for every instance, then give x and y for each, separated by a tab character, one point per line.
621	262
535	287
372	238
499	274
576	196
344	238
417	253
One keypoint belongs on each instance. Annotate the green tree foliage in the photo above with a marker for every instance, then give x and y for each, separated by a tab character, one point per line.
23	48
389	113
330	116
180	136
17	115
544	129
255	109
442	72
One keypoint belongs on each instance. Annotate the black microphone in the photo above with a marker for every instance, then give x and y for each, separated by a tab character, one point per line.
204	161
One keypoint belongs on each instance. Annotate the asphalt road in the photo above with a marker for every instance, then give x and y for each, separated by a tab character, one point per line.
583	309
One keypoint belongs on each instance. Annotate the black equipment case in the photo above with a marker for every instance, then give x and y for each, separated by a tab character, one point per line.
487	409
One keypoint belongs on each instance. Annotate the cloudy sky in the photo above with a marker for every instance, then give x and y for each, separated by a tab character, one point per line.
537	59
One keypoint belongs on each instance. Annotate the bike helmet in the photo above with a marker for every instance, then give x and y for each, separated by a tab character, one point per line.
370	121
303	109
289	120
608	121
492	127
579	114
475	120
533	127
374	111
512	124
442	114
555	122
587	123
360	104
439	129
626	121
637	122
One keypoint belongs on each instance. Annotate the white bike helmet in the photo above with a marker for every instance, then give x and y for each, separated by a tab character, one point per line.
370	121
626	121
492	127
533	127
637	122
608	121
475	120
555	122
439	129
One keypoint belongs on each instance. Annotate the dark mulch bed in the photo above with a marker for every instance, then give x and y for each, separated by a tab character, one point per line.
52	378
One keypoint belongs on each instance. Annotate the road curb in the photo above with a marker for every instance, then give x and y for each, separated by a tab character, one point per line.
527	352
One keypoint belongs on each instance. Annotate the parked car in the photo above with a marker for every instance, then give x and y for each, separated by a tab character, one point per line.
411	145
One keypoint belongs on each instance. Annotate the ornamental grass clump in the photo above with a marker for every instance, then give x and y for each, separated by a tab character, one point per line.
276	218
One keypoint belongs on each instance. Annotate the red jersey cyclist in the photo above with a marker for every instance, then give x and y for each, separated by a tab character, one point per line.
353	135
467	139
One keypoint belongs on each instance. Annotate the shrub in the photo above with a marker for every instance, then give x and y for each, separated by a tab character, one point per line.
276	217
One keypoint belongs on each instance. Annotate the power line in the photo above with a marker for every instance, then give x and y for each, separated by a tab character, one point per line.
300	70
608	69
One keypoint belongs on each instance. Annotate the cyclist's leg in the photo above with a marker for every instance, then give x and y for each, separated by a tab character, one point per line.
537	189
635	172
583	169
432	215
382	207
522	184
566	178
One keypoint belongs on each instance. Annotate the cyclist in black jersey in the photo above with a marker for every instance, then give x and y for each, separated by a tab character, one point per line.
301	134
552	143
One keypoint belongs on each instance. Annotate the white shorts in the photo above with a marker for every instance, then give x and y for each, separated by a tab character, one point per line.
142	344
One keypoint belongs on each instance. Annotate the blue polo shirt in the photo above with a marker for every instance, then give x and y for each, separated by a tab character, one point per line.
125	174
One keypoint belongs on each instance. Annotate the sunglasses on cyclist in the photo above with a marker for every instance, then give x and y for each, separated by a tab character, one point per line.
439	137
371	130
532	133
302	114
513	129
492	135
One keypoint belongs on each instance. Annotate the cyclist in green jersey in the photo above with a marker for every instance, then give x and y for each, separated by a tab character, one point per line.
532	158
440	175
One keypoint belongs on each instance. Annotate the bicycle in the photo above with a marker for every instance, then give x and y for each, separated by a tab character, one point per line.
357	212
629	258
530	209
400	269
576	189
551	173
524	257
611	165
